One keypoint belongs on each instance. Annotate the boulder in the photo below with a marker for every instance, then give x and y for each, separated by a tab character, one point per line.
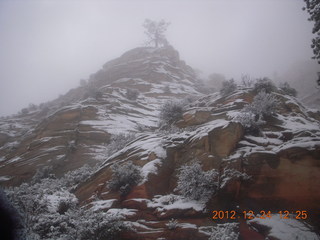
223	140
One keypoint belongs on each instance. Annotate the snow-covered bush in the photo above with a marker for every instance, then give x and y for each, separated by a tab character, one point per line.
44	172
226	231
93	92
53	226
98	225
263	104
228	87
252	116
73	178
230	174
264	83
196	184
246	80
78	224
124	177
49	212
38	205
118	142
132	94
249	121
65	205
172	224
170	112
287	89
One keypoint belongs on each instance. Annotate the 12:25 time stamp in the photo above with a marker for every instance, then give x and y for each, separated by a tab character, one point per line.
219	214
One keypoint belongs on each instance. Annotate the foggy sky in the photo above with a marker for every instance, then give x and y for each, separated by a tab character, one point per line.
46	47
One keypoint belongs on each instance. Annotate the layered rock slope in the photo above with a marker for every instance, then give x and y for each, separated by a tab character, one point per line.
282	162
74	129
276	169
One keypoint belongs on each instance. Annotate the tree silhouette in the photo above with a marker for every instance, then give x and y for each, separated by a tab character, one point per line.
155	32
313	8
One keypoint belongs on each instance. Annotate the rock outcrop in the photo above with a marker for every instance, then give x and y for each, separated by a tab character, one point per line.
275	169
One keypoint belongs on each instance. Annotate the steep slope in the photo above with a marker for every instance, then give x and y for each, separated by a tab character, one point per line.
274	167
74	129
282	163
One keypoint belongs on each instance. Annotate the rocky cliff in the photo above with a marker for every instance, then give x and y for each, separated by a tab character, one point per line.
74	129
274	169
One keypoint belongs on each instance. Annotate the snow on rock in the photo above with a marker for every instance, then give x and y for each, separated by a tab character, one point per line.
121	212
208	127
102	204
309	143
187	225
298	123
171	201
150	167
285	229
5	178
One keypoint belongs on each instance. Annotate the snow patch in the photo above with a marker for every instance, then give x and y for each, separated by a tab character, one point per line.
286	229
102	204
171	201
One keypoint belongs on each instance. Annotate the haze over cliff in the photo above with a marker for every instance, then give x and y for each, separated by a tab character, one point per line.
147	150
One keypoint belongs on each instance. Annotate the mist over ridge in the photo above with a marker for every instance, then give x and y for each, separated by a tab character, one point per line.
47	47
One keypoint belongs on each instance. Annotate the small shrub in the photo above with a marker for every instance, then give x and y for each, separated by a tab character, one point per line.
97	225
228	87
119	141
230	174
246	80
226	231
65	205
72	146
196	184
124	177
24	111
72	178
263	104
32	107
172	224
171	112
264	84
249	121
93	92
45	172
287	89
132	94
251	117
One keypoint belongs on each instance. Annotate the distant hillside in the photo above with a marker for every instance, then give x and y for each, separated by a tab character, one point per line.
302	76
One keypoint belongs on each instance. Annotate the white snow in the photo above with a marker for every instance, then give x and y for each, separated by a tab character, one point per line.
298	123
171	201
102	204
121	212
286	229
264	140
203	130
187	225
150	167
4	178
